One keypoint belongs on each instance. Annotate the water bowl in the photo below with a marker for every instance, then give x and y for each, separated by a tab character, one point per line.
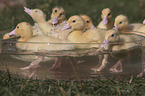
76	64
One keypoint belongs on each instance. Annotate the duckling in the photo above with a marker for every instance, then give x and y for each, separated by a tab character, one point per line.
88	22
120	46
37	43
106	23
57	16
121	23
40	18
77	24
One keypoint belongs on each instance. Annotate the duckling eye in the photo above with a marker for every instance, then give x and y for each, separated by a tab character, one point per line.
88	21
109	14
60	14
18	27
36	11
120	22
112	35
74	21
55	11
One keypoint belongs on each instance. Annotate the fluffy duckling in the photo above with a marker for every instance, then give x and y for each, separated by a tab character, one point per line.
40	18
57	16
121	23
77	24
37	43
120	45
106	23
88	22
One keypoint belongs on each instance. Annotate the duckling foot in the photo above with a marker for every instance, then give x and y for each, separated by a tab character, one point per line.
141	74
117	67
104	63
34	64
57	64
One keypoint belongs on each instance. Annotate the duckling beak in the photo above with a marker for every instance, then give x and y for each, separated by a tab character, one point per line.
105	43
144	21
67	26
27	10
105	21
92	27
115	28
55	20
12	33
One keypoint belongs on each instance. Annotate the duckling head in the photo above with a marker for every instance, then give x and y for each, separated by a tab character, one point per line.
37	14
88	22
106	15
24	30
75	23
58	15
121	23
111	36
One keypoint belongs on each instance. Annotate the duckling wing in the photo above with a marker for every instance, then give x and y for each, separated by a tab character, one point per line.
95	35
43	43
58	33
126	42
134	26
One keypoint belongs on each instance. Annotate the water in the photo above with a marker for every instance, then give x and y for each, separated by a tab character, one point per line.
72	65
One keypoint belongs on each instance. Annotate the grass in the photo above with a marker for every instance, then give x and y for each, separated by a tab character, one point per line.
11	86
11	16
134	9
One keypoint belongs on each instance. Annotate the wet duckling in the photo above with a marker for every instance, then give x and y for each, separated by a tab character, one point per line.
57	16
120	47
40	18
106	23
121	23
37	43
88	22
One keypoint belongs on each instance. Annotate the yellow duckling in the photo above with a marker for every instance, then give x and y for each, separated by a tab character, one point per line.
37	43
88	22
121	45
40	18
57	16
77	24
58	22
106	23
121	23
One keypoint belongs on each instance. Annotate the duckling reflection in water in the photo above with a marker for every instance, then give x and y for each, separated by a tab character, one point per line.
121	43
24	30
